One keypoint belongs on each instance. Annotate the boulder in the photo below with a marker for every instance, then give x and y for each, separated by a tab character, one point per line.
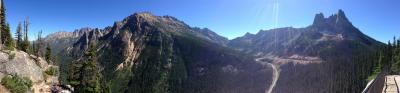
22	65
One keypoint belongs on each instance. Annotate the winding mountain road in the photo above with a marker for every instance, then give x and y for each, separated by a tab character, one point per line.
275	74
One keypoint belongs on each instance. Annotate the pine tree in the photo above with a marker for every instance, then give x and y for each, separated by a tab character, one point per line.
398	43
6	38
33	48
394	41
85	76
25	44
74	75
39	45
48	53
395	65
2	21
18	36
9	42
91	73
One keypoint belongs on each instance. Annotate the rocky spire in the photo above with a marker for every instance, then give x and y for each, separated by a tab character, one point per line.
319	19
341	18
338	19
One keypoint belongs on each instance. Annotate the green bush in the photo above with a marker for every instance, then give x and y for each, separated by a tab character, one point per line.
11	48
11	55
51	71
16	84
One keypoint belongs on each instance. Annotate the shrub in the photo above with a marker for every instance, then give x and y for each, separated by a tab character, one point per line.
11	48
16	84
51	71
11	55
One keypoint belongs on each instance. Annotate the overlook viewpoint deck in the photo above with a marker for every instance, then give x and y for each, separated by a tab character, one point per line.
391	84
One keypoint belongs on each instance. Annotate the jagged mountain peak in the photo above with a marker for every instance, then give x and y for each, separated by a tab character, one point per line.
338	25
145	16
341	18
143	20
338	19
319	18
63	34
341	13
149	18
286	41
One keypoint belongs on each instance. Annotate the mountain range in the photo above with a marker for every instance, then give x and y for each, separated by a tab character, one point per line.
145	53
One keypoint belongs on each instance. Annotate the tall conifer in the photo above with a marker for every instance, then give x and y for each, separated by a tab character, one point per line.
18	36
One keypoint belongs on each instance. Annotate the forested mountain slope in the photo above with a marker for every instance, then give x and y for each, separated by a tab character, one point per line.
331	55
158	54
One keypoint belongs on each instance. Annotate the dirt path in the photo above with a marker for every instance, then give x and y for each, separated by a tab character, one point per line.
275	74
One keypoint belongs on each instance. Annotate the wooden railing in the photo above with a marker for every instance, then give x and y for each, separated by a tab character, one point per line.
376	85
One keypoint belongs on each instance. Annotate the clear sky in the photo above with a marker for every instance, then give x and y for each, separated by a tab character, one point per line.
379	19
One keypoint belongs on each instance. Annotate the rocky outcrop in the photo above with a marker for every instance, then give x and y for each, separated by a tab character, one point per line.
22	65
28	66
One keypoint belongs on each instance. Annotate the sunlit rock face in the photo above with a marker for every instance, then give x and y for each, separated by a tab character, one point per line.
27	66
309	58
21	65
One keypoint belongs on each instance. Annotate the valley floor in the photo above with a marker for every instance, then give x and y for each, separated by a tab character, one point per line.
391	84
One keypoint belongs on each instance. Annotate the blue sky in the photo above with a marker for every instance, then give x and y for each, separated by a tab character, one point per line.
379	19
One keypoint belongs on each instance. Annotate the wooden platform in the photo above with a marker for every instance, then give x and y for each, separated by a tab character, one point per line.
391	84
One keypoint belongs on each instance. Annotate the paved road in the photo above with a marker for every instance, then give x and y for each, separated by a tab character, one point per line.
390	84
